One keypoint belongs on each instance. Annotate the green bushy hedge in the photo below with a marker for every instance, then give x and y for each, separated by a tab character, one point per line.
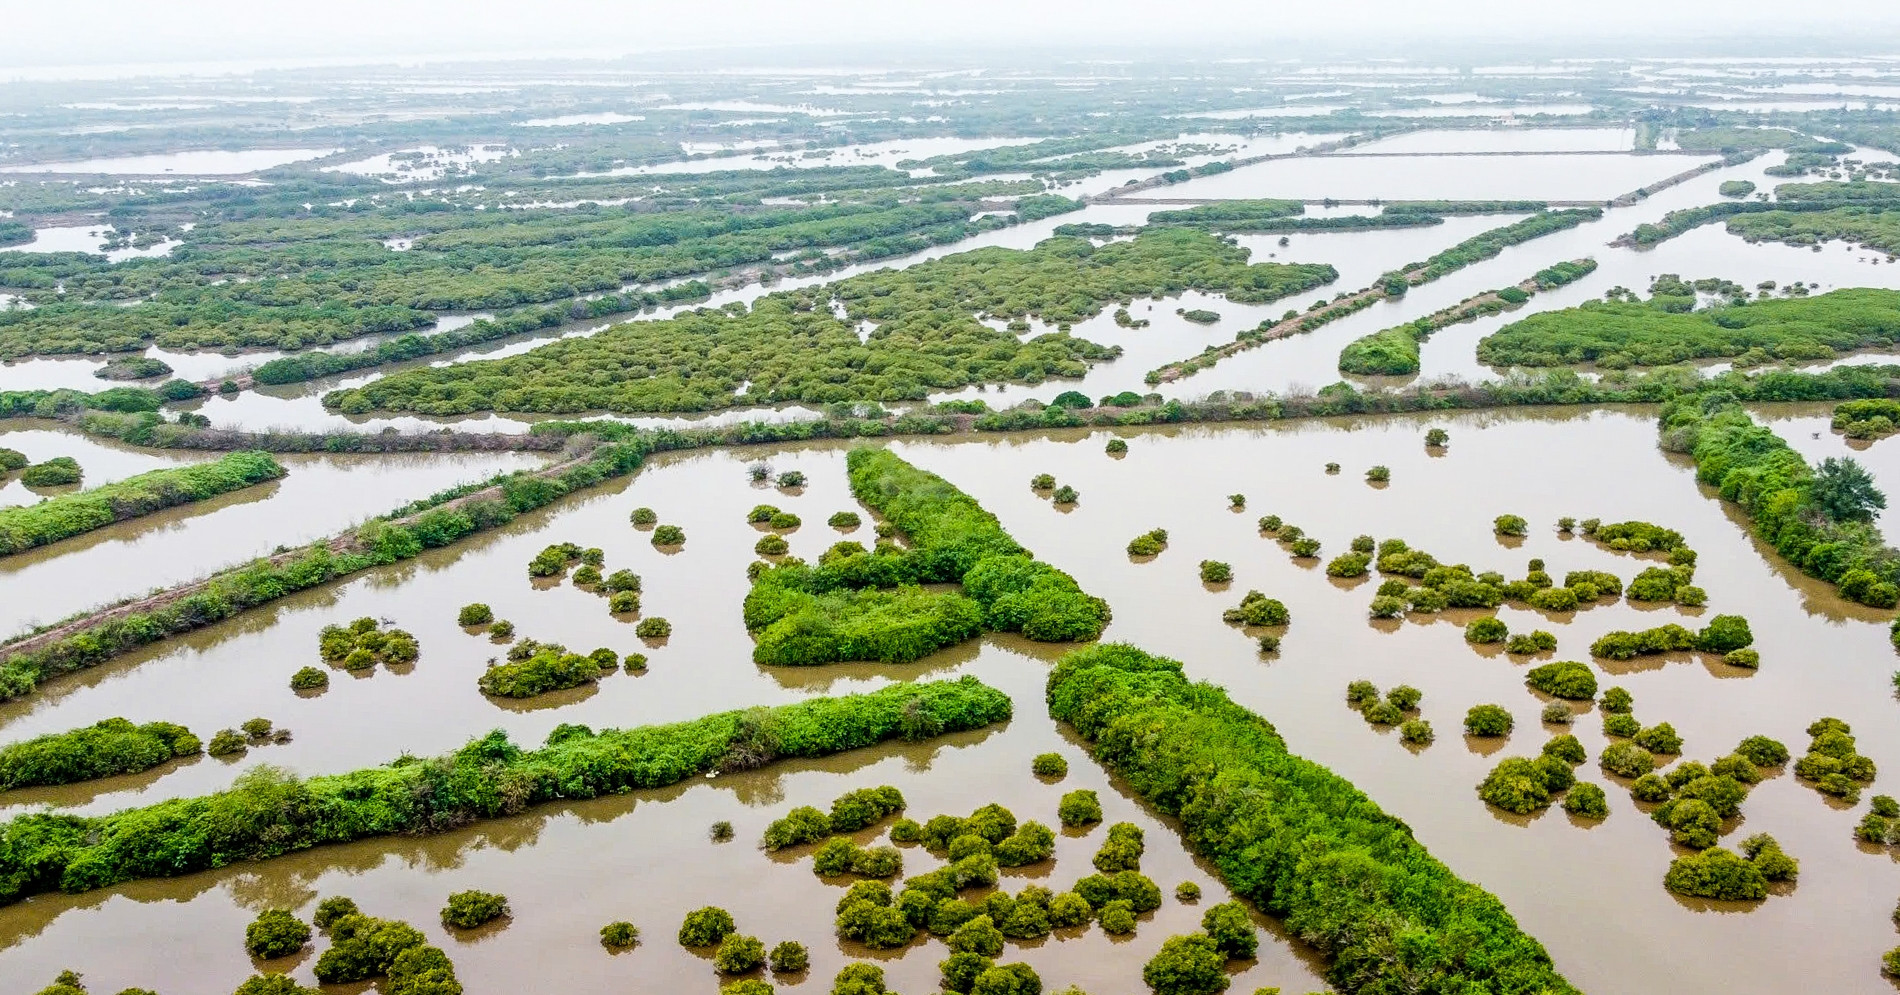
270	812
112	746
68	515
1292	837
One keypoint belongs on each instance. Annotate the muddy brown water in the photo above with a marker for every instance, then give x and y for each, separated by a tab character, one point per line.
1591	892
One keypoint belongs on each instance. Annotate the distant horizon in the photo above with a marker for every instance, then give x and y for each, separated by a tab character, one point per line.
117	39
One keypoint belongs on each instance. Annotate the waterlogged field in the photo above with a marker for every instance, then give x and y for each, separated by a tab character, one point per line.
161	226
1591	891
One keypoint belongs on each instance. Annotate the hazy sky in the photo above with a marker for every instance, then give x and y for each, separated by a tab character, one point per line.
40	33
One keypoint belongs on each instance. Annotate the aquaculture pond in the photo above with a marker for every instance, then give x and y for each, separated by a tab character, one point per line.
1590	890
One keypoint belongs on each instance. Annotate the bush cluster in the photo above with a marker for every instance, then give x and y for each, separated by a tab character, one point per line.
1486	630
619	935
103	749
469	909
1049	765
850	812
1352	564
1488	720
56	472
1256	608
1831	764
362	948
1149	543
276	933
1216	572
1720	874
553	561
1626	759
1522	785
1079	808
1568	679
309	679
1257	813
1724	634
706	927
535	668
1535	641
365	644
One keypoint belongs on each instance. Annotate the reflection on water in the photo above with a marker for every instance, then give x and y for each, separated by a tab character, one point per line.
1592	893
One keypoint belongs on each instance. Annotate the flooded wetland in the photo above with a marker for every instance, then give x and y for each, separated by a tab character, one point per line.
957	423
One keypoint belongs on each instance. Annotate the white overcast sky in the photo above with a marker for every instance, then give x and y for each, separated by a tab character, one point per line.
42	33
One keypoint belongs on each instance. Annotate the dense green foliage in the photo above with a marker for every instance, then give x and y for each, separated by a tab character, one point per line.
56	472
866	605
105	748
68	515
789	346
364	644
1522	785
1833	764
1564	679
275	933
270	812
1754	468
1488	720
469	909
1292	837
1616	334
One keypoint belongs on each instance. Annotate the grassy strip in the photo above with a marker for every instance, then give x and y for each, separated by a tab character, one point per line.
1395	351
1816	522
375	543
867	605
1292	837
1487	244
270	812
1477	248
103	749
1618	334
311	365
27	526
